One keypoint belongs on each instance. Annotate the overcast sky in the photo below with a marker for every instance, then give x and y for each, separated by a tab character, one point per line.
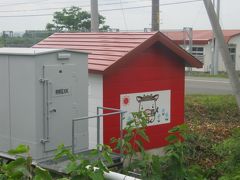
122	14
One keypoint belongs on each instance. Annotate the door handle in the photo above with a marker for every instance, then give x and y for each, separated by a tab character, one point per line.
53	110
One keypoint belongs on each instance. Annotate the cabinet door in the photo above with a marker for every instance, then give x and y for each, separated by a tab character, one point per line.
59	84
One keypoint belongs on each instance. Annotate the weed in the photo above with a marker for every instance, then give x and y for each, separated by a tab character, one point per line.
90	167
229	168
22	168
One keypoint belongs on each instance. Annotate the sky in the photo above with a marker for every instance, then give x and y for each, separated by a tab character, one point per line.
127	15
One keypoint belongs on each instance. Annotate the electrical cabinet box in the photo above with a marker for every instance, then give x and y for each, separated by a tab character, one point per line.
42	91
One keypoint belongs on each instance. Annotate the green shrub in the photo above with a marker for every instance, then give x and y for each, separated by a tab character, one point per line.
86	167
21	168
229	150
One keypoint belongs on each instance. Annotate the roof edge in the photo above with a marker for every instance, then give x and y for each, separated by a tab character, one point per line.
189	59
160	37
145	44
35	53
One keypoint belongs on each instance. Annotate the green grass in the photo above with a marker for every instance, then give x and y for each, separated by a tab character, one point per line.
206	74
211	119
211	107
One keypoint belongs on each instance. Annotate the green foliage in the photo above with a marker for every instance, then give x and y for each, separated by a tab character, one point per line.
207	74
87	167
211	107
42	174
28	39
19	150
133	137
211	119
174	164
22	168
74	19
229	151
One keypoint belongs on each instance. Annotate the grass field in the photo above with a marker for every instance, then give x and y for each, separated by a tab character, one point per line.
212	120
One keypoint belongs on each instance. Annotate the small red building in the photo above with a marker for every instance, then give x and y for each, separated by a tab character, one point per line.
134	72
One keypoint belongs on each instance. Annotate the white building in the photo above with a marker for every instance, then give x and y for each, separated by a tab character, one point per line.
202	46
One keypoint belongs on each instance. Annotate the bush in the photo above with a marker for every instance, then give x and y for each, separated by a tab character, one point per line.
229	151
22	168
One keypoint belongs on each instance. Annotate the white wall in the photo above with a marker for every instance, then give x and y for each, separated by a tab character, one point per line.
207	57
236	40
95	99
221	67
208	54
4	104
22	100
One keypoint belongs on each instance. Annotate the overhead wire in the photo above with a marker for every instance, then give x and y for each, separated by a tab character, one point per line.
148	6
124	17
22	3
60	2
85	5
104	10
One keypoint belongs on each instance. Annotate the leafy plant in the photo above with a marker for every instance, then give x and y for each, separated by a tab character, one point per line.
229	151
86	167
132	142
21	167
174	165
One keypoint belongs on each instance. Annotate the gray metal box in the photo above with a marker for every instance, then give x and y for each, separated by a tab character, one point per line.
42	90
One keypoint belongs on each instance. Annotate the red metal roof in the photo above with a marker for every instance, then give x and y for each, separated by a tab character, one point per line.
199	36
107	49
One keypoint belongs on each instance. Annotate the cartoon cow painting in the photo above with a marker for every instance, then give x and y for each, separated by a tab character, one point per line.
155	104
147	104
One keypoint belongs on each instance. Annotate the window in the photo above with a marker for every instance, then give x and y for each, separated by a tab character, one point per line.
198	52
232	51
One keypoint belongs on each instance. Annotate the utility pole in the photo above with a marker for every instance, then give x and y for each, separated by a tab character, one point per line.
187	42
4	38
155	15
94	16
223	48
215	42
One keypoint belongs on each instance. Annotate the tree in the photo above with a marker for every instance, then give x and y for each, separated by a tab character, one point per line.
74	19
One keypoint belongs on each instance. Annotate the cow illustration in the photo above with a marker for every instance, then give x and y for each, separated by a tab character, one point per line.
147	104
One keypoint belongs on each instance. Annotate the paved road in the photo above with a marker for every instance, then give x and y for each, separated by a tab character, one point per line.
200	85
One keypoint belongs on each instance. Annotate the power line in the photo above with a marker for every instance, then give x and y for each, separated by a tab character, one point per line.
124	18
60	2
21	3
29	15
43	9
104	10
147	6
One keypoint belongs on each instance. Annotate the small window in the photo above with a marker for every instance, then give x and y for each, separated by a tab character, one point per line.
198	52
232	51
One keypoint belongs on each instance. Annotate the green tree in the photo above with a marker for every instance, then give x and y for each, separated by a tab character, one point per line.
74	19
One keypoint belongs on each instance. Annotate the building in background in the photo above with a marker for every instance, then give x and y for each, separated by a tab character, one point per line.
202	46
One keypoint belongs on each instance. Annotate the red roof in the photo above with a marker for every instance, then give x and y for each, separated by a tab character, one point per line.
107	49
199	36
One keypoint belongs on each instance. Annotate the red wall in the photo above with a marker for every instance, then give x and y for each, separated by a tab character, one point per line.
157	68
